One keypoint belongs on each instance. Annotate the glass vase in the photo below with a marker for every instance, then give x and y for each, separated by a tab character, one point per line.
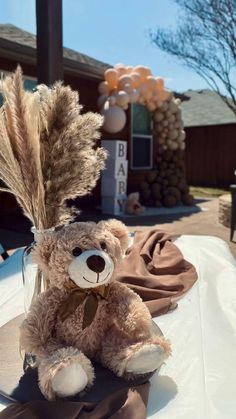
34	282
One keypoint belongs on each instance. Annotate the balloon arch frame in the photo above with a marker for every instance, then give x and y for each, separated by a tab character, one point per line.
166	185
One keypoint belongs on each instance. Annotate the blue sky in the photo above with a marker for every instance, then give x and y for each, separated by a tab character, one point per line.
113	32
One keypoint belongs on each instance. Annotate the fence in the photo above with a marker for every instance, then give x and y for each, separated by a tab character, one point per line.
211	155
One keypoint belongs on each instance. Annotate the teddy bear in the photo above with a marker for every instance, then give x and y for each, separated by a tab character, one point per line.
86	314
132	205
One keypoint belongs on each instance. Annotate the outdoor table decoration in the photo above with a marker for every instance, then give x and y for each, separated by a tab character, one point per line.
48	156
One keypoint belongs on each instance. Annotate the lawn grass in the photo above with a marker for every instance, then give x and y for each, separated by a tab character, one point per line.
201	191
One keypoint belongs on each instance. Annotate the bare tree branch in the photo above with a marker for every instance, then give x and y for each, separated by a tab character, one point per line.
205	41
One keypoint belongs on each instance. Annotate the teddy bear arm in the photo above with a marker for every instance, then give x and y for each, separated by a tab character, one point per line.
36	331
129	311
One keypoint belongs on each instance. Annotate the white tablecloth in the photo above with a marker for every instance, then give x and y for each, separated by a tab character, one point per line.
199	380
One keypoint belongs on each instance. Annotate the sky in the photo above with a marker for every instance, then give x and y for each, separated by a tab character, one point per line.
113	32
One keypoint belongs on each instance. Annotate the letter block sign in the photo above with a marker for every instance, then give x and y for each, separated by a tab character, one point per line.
114	177
116	149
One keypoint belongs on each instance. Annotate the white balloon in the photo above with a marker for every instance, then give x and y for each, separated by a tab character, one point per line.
122	98
119	65
134	95
101	100
182	135
112	100
128	88
103	88
114	118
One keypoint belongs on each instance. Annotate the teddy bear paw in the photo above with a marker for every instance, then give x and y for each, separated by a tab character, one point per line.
69	380
147	359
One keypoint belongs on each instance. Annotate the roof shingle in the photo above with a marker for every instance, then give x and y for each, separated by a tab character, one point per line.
205	107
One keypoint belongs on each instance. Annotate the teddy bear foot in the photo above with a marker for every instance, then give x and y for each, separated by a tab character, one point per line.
146	359
69	381
65	373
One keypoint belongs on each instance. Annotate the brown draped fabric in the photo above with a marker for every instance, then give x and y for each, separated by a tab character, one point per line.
155	268
127	403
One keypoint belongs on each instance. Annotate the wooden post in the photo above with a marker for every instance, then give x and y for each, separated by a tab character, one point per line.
49	41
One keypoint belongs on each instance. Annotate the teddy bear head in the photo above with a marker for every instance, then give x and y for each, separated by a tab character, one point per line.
85	253
133	205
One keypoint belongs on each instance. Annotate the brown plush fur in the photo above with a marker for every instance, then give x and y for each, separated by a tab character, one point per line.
133	206
122	324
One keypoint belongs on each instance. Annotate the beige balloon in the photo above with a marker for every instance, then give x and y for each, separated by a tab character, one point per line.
122	98
119	65
158	116
101	100
112	100
123	80
128	88
103	88
151	106
164	95
174	145
114	119
134	95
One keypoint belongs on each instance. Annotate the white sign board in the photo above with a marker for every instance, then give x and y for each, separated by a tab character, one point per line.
114	187
116	168
117	149
114	177
113	205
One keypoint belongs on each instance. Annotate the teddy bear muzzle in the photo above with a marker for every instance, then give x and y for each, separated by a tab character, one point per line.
91	269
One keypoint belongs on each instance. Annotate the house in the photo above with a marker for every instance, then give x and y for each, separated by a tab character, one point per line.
155	140
210	128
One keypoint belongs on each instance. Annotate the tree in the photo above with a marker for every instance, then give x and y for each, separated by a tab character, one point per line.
205	41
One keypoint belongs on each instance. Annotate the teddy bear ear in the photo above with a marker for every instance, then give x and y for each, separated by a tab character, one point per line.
43	249
120	231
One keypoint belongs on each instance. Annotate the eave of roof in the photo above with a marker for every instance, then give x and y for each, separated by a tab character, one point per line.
27	54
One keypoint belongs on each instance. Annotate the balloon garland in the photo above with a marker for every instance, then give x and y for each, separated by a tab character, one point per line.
125	85
166	185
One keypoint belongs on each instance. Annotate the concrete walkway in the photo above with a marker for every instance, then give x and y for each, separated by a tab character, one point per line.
203	222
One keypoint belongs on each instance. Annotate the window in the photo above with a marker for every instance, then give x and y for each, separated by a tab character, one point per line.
30	83
141	138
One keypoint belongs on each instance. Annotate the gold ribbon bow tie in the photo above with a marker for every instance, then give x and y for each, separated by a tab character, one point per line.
77	296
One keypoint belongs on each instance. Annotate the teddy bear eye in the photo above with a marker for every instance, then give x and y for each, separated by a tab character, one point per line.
76	251
103	245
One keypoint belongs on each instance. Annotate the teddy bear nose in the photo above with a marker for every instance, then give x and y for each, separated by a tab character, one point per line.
96	263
